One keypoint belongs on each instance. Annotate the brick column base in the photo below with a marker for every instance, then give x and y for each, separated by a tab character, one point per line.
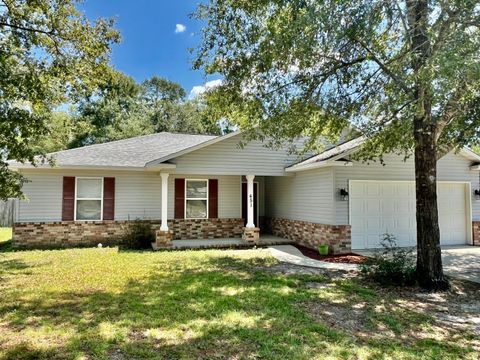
251	235
476	233
163	239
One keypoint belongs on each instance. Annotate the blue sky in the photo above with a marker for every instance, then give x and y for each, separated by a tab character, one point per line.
152	42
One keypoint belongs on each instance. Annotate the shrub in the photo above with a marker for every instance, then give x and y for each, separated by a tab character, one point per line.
138	235
392	265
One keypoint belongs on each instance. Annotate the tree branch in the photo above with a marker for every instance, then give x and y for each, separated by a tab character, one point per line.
385	69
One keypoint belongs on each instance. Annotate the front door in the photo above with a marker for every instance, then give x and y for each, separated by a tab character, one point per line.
255	203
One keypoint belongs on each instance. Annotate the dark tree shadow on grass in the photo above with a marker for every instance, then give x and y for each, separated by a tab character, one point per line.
6	246
228	309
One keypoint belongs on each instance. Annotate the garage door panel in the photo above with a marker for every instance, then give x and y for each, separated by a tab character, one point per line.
388	223
377	208
373	190
388	207
372	205
372	224
358	207
388	190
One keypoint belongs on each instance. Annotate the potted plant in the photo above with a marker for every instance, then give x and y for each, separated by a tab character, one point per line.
323	249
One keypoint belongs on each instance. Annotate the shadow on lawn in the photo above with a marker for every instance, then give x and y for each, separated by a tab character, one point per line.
6	246
178	312
9	267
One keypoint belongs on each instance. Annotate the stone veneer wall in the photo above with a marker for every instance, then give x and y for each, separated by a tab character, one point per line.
476	232
312	234
88	233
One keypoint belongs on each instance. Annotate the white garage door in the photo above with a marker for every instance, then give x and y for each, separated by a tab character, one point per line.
377	208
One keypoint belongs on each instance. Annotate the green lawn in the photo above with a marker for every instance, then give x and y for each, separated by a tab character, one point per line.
105	303
5	234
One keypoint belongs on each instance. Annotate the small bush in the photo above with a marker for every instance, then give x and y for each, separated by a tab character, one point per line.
138	235
392	265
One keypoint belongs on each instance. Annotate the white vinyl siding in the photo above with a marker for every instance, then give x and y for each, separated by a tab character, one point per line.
137	194
228	158
306	196
452	167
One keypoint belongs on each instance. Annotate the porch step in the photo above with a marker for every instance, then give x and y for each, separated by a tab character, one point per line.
231	243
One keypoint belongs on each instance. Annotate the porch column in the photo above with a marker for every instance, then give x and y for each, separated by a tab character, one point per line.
250	202
164	225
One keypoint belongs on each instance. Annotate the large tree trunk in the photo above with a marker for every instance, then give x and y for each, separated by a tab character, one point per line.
429	258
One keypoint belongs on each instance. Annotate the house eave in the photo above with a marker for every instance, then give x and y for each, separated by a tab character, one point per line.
317	165
93	167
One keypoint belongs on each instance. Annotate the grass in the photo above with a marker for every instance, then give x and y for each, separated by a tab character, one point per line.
102	303
5	234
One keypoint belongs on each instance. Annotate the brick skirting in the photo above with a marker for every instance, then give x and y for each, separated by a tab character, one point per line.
206	229
309	234
476	232
88	233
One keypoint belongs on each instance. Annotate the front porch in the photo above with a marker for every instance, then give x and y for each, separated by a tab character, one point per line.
222	243
205	214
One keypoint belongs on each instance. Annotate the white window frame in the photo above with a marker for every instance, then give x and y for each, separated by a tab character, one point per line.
186	199
76	199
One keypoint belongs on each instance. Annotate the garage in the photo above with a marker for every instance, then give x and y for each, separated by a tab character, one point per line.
379	207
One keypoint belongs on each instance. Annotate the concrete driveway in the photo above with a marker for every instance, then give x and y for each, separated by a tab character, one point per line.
461	262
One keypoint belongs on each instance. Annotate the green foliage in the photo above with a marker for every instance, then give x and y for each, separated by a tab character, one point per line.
392	265
123	108
61	131
49	54
296	68
138	235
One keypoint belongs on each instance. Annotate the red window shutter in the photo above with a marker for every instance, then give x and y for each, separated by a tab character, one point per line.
109	198
213	198
179	198
68	198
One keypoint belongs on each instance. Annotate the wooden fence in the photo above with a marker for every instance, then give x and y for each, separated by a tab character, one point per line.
7	213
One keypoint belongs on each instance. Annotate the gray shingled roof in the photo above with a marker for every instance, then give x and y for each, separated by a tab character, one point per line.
133	152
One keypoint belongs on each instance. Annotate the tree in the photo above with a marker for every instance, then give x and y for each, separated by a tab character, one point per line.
61	131
122	108
112	112
49	54
162	99
404	73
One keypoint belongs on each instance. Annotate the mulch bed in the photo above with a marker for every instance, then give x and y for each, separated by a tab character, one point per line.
349	258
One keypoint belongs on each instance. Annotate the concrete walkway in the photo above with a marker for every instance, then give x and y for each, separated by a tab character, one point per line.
290	254
462	262
224	243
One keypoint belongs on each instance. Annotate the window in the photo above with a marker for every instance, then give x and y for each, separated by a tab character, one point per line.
196	199
88	199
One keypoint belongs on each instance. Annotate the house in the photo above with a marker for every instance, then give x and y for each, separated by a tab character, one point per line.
202	187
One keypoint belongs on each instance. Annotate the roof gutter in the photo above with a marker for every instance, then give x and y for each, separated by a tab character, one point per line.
92	167
317	165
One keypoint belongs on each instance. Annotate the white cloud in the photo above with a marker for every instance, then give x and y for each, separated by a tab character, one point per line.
179	28
200	89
